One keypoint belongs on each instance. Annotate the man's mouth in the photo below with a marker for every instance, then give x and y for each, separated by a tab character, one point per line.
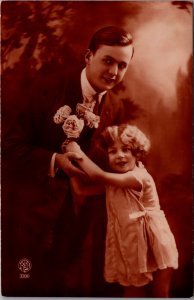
109	80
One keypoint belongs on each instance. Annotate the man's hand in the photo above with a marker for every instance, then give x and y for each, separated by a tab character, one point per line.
64	162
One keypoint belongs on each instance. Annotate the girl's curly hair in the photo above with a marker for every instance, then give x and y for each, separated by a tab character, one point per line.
129	135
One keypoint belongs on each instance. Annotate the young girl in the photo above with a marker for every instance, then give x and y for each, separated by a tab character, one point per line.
140	246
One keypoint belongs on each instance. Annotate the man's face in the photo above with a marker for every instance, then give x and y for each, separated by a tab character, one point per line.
107	66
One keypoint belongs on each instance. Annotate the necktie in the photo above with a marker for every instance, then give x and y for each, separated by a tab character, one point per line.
96	105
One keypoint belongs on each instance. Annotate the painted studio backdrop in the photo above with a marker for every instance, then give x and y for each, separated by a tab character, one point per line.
41	38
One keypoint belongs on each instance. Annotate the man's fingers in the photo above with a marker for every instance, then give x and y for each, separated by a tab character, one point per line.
65	162
77	171
73	170
74	155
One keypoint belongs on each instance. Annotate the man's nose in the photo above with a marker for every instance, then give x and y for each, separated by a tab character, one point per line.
113	70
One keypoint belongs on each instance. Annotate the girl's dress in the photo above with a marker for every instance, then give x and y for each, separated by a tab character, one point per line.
139	240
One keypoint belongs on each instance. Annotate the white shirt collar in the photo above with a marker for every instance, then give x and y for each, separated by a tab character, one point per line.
87	90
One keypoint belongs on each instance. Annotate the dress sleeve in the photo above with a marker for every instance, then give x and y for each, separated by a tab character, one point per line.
138	174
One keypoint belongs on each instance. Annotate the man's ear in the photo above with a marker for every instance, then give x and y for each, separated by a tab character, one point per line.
88	55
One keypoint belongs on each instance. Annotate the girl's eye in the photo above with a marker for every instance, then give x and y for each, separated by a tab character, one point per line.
126	149
111	151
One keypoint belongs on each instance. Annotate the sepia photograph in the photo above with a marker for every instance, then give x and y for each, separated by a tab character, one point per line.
96	149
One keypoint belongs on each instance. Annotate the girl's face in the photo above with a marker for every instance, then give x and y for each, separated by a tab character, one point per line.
120	158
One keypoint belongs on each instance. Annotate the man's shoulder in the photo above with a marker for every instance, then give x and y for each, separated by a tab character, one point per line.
118	89
117	92
73	72
52	77
114	99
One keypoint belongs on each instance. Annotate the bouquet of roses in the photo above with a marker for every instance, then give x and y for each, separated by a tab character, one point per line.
73	124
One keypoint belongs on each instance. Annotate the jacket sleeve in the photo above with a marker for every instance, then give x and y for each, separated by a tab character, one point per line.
22	149
19	148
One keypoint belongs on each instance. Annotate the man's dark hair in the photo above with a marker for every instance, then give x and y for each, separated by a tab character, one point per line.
110	36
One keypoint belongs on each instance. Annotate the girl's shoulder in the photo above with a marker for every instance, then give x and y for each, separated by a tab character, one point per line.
141	173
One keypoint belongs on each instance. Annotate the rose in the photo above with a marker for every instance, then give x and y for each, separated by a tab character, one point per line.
91	119
73	126
62	114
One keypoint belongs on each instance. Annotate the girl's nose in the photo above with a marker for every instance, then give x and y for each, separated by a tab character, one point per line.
120	153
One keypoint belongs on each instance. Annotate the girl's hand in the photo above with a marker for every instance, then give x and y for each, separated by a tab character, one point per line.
82	186
65	162
73	147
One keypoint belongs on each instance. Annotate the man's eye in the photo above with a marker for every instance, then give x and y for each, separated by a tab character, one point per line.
108	61
127	149
122	66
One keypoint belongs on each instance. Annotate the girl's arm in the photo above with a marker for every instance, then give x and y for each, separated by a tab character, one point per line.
80	187
98	175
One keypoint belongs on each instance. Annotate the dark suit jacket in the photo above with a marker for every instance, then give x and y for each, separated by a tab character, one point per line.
32	203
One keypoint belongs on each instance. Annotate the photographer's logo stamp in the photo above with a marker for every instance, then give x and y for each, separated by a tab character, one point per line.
24	266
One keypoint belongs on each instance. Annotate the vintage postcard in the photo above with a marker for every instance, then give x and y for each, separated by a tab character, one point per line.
96	149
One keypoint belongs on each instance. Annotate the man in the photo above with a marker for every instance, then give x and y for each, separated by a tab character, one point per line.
39	216
107	59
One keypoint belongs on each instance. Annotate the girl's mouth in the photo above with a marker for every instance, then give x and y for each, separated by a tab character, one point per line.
121	163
